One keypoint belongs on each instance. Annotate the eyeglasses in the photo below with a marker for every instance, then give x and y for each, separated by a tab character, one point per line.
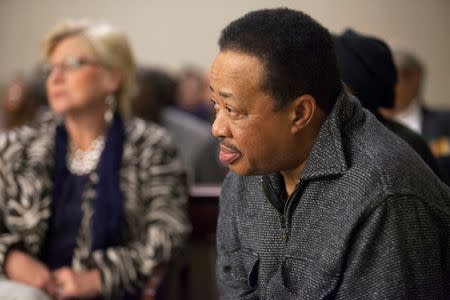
68	65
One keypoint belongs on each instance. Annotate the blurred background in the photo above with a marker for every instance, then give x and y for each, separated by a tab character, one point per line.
172	34
175	43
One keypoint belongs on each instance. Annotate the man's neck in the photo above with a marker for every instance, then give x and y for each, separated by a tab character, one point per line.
292	179
302	148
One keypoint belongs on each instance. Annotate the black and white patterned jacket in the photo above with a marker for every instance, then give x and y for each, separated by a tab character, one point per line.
154	203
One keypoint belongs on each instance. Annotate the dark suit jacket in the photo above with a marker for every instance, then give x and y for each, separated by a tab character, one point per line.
436	129
419	144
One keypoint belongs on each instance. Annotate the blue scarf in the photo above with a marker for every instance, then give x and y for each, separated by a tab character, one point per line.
108	217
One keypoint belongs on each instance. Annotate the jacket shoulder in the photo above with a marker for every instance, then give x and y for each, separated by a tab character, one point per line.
140	132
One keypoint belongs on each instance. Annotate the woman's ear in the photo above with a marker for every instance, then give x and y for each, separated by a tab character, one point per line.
113	80
303	109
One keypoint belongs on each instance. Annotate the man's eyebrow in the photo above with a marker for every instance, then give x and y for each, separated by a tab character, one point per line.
225	94
222	93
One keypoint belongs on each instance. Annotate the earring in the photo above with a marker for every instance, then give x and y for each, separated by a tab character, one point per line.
110	108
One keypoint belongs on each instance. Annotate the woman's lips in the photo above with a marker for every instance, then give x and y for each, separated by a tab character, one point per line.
228	156
57	93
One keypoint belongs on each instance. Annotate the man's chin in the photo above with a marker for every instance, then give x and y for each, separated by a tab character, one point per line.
242	170
235	168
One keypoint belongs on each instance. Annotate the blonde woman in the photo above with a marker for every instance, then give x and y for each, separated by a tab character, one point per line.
92	201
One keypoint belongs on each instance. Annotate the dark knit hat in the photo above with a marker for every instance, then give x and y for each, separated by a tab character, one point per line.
367	68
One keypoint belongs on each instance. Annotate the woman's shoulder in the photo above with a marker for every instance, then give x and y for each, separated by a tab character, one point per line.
139	131
28	141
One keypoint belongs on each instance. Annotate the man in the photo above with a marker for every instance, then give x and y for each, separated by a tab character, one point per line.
322	201
409	109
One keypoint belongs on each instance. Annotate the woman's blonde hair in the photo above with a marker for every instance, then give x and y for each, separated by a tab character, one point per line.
110	45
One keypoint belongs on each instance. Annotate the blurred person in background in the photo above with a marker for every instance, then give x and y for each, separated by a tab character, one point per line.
367	68
192	93
92	201
409	109
21	101
155	101
155	90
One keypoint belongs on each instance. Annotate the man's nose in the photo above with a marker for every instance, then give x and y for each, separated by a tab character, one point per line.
220	127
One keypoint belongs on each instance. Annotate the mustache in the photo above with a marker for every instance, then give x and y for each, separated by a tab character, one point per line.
228	145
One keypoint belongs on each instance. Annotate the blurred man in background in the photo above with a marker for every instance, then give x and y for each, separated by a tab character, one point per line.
410	110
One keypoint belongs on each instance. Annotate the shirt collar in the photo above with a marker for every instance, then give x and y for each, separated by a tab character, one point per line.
411	117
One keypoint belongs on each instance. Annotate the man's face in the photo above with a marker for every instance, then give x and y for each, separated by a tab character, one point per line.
253	137
406	89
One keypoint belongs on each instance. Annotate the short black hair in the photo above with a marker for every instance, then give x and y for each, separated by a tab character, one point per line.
297	53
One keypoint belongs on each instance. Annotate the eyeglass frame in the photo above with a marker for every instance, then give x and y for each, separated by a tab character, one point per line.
69	64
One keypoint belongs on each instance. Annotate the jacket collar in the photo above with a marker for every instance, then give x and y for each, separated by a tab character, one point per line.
327	157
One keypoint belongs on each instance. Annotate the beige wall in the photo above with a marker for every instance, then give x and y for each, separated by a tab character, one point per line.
172	33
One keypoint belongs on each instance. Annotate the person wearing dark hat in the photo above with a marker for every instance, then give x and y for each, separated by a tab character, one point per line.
367	68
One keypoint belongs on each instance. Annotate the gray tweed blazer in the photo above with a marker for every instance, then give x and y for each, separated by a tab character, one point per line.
369	220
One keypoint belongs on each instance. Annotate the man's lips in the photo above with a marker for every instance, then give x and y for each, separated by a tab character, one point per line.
228	156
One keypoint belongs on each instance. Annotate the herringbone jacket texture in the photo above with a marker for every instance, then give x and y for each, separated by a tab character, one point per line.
154	199
368	220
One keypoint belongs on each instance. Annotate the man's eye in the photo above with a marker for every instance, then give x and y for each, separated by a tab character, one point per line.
231	111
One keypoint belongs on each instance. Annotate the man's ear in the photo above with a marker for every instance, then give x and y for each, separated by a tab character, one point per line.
303	110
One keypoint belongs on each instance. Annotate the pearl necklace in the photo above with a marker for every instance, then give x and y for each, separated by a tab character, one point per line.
81	162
